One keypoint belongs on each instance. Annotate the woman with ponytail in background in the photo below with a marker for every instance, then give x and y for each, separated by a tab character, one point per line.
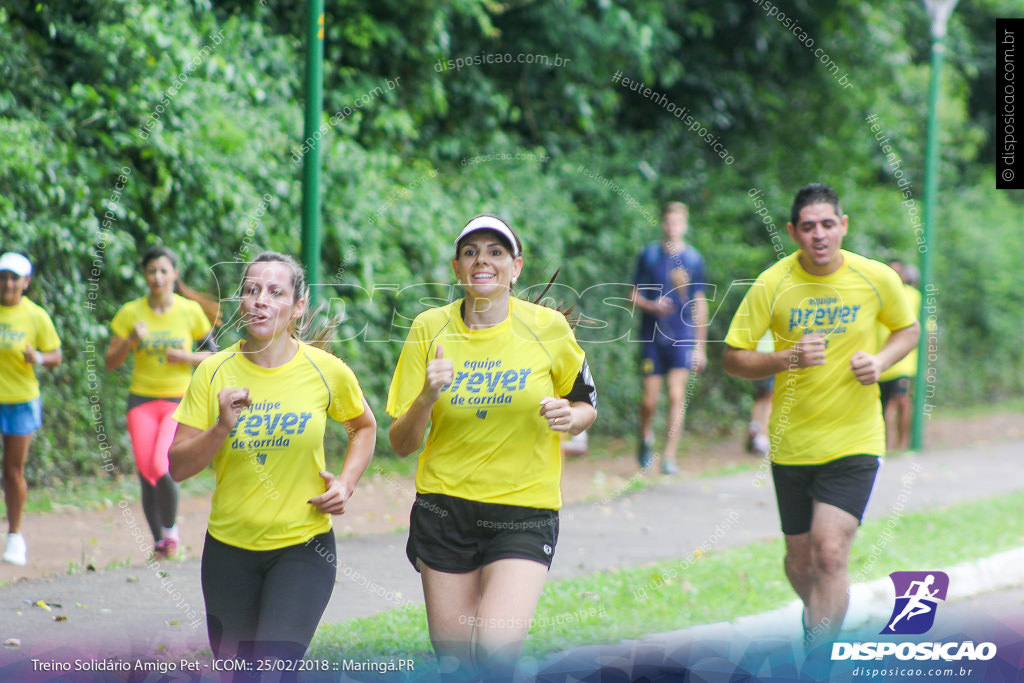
161	330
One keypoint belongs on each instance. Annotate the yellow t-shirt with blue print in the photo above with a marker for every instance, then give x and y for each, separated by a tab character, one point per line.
488	441
907	366
269	466
822	413
178	327
25	324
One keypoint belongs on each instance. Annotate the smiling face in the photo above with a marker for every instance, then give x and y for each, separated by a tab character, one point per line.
269	302
12	286
819	234
484	264
160	275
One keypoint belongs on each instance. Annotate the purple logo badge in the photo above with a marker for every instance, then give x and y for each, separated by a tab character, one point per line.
917	596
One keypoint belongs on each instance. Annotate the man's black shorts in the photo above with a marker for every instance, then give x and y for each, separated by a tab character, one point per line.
894	387
763	387
456	535
845	483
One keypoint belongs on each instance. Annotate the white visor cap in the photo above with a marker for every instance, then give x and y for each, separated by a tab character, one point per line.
490	223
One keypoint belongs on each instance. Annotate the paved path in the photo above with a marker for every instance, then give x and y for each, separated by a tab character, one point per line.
136	611
984	604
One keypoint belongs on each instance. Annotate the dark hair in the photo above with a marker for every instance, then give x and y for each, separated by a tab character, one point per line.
911	275
815	193
567	311
210	306
153	253
314	327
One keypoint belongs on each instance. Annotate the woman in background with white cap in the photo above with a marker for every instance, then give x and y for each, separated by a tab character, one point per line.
497	378
27	339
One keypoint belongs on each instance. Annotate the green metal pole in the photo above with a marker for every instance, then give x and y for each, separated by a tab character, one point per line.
314	88
939	12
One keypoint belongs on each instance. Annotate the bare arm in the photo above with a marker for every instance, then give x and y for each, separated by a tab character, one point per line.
47	359
867	368
656	307
206	348
406	432
362	437
750	364
700	317
190	357
117	352
700	321
120	347
193	449
565	416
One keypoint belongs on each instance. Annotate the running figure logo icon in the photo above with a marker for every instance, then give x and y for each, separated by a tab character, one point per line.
917	596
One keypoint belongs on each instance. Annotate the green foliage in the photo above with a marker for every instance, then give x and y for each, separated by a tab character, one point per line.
197	107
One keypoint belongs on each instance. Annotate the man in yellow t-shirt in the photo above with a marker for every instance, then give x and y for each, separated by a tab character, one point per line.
822	305
897	382
27	339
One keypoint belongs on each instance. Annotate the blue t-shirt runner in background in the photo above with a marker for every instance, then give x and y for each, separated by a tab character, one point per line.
680	277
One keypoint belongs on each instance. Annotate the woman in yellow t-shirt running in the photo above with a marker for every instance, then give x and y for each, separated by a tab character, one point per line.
27	340
498	379
160	330
257	411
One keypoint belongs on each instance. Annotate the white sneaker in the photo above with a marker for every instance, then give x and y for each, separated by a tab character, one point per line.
16	550
761	445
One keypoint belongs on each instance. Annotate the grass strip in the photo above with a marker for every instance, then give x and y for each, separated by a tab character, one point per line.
720	585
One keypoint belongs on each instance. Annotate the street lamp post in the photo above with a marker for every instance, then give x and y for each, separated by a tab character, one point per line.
314	90
939	12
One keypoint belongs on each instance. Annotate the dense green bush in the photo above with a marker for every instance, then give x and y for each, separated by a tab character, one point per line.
126	124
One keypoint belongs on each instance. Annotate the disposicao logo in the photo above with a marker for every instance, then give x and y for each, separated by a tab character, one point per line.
917	597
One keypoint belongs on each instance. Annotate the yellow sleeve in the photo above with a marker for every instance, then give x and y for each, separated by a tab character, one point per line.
200	324
123	322
411	370
913	298
752	318
46	334
896	312
568	359
346	395
194	409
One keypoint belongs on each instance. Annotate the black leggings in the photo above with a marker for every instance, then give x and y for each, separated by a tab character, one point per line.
266	604
160	503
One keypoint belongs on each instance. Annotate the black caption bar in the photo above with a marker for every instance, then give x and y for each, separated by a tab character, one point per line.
1009	121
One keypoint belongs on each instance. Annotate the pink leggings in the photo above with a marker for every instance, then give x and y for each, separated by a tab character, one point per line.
151	428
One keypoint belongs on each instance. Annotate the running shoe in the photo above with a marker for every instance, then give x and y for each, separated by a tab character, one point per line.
645	454
669	467
752	431
16	551
761	445
167	549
